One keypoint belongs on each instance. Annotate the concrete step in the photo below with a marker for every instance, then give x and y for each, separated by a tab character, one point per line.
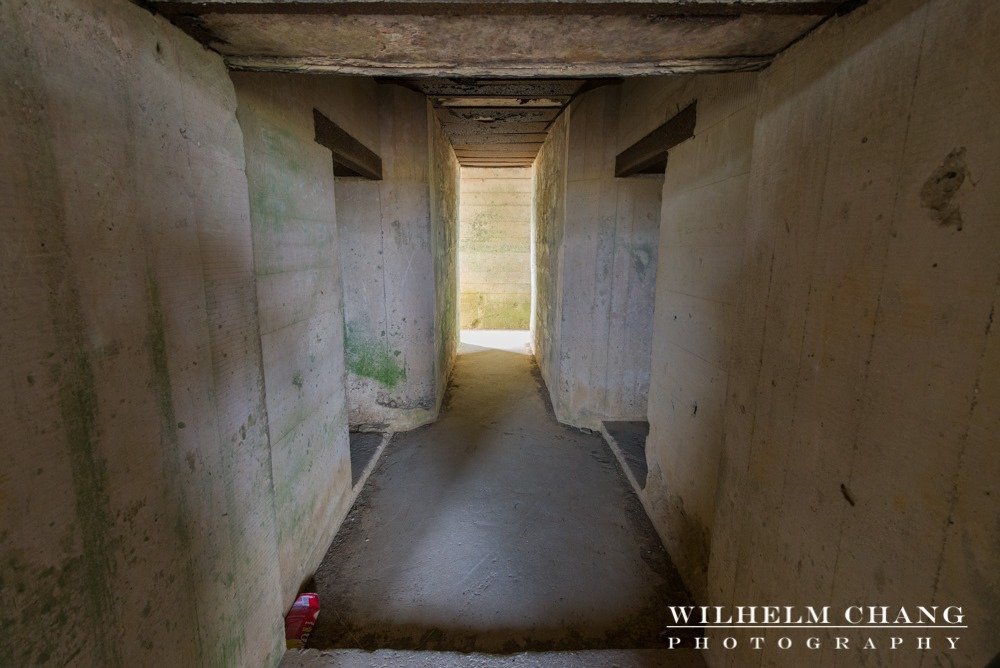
386	658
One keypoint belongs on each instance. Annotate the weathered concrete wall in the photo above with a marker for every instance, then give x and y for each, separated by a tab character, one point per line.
861	429
300	303
388	256
858	436
135	503
595	267
445	175
697	284
548	219
609	267
495	238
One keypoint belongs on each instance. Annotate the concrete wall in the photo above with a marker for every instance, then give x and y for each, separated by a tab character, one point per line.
495	238
697	286
864	410
445	175
858	447
300	302
135	495
606	248
548	219
389	262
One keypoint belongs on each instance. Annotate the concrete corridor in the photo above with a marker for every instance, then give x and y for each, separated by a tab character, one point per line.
757	246
496	529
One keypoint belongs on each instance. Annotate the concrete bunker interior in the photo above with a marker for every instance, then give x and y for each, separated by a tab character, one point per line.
751	247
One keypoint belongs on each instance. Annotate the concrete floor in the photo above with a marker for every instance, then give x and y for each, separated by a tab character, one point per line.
496	529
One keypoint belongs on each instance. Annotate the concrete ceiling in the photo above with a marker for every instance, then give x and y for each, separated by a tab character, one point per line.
496	122
498	73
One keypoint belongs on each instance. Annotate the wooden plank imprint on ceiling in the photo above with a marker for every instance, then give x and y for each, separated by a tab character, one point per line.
496	122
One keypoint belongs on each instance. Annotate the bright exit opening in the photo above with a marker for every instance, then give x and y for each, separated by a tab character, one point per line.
494	252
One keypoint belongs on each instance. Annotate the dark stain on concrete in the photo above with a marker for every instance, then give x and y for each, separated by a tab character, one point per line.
87	561
693	541
543	390
939	190
847	494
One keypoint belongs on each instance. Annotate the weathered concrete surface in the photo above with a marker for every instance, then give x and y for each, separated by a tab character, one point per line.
603	256
496	122
548	219
496	529
397	255
861	429
445	176
495	258
858	442
619	658
300	306
466	7
609	270
136	515
497	39
697	286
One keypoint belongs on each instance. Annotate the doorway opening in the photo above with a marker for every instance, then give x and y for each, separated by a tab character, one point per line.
494	248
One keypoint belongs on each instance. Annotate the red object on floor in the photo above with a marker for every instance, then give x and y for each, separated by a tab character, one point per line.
300	620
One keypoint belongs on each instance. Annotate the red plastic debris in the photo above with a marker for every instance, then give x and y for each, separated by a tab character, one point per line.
300	620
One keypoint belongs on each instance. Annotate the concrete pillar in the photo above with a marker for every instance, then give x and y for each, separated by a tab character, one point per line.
137	509
595	255
398	257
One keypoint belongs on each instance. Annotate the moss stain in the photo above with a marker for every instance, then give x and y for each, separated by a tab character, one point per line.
90	573
371	358
157	345
272	200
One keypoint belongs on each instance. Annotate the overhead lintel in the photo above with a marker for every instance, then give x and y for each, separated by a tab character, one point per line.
519	7
350	157
649	154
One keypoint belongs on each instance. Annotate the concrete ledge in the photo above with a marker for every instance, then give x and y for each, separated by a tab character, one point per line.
620	456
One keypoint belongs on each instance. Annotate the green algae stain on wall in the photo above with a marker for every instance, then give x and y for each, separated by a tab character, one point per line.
271	202
371	358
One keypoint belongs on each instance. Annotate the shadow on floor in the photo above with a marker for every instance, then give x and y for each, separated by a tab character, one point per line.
496	529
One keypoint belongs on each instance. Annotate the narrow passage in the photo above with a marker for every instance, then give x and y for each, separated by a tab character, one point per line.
496	529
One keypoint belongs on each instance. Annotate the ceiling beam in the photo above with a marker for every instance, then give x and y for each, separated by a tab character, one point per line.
508	7
335	65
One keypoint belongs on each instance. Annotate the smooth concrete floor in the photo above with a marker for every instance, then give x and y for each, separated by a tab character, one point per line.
496	529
